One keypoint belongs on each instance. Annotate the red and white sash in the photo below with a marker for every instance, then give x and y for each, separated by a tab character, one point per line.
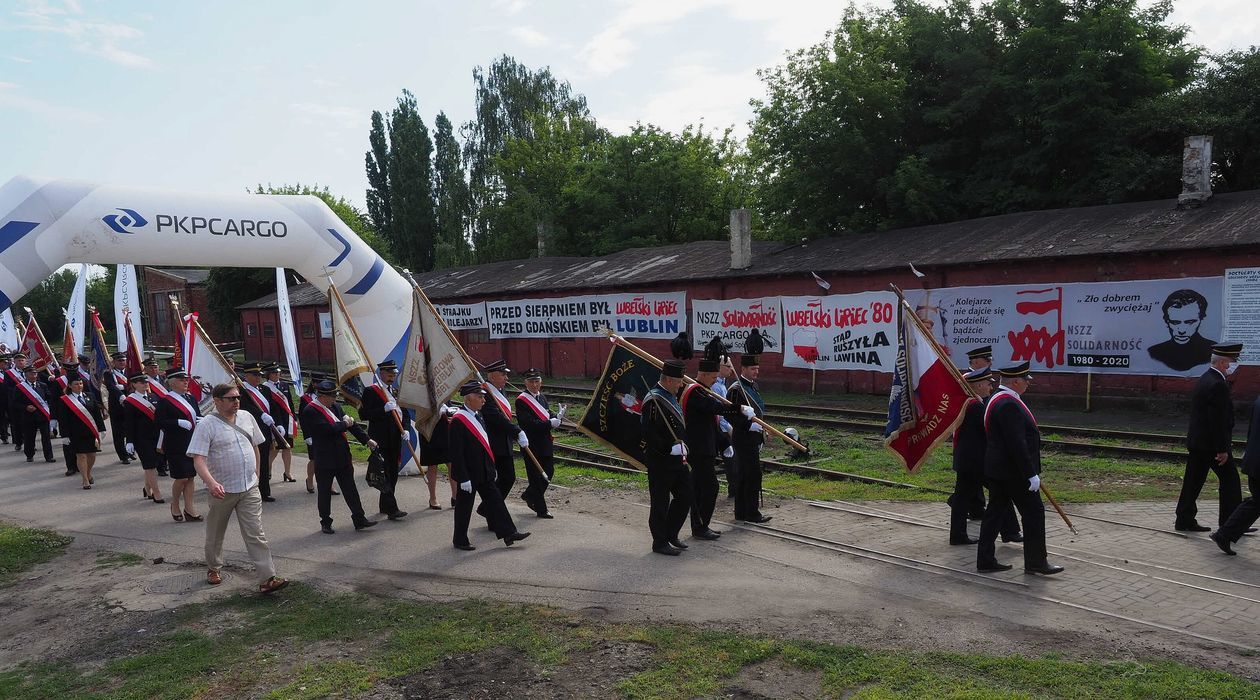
281	399
1006	395
259	400
332	417
140	403
532	402
35	399
470	422
120	380
14	376
380	391
62	381
499	399
155	385
80	410
717	420
182	404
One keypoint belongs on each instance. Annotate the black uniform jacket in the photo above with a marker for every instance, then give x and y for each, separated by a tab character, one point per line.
536	429
139	428
969	441
499	427
169	413
250	406
381	424
21	401
743	438
663	426
1211	414
329	446
72	426
469	460
1013	446
701	409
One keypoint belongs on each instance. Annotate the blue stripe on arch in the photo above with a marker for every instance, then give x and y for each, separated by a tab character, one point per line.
13	231
363	285
5	302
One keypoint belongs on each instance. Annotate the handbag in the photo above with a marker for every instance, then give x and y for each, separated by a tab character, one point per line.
376	470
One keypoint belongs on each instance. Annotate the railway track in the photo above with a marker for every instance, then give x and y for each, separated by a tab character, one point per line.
867	422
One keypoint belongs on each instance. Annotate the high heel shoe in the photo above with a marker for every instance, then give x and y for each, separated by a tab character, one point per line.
177	517
192	518
289	479
144	493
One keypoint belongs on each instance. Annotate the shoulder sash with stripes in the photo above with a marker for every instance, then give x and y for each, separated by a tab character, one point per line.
14	376
499	399
155	385
532	402
1007	395
182	404
63	381
140	403
120	379
332	417
35	399
385	397
80	410
256	396
475	428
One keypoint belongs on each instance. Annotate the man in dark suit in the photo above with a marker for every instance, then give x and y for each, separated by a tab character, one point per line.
12	378
702	410
1247	512
117	385
473	468
5	389
1209	441
257	403
1185	349
1012	470
31	400
385	419
330	449
537	421
498	416
747	437
665	455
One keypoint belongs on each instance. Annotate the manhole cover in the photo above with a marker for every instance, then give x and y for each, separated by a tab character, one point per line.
180	583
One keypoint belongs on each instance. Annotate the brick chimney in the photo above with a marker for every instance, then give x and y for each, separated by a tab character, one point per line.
1196	171
741	239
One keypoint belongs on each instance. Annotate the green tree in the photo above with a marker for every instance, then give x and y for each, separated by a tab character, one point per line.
47	301
413	223
450	197
378	176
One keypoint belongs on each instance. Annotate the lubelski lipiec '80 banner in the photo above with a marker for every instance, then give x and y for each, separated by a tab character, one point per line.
614	414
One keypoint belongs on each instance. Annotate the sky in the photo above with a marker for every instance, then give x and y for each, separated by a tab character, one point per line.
221	96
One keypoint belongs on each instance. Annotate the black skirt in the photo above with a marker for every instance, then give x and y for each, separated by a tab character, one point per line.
180	466
84	445
148	455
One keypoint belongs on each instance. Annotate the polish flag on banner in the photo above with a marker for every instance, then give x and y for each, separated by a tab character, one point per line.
928	398
203	361
39	353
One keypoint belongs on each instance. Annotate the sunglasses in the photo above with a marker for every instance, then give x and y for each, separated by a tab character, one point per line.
235	397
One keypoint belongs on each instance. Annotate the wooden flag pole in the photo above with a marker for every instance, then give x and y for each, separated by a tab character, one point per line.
376	378
659	365
1060	510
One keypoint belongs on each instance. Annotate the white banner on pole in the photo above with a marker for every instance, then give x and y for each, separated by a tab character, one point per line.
733	319
8	330
629	315
463	317
841	331
287	335
127	296
1242	312
76	311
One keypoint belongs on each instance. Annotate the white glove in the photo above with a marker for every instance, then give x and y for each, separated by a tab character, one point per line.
131	449
448	410
184	424
748	411
522	439
309	442
755	428
391	406
628	400
283	430
728	452
465	486
1034	483
268	420
52	424
555	422
348	420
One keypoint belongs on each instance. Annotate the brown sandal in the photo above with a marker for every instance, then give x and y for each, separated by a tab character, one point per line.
272	585
192	518
213	578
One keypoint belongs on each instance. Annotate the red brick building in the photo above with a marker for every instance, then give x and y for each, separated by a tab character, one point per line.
188	286
260	327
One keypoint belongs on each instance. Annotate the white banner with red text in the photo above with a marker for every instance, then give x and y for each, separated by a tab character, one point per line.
733	320
661	316
840	331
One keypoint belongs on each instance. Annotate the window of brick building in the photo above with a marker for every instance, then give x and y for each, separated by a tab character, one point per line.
308	330
269	330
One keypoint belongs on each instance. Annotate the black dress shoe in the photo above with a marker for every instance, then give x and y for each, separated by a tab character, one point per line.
666	550
706	535
1043	569
69	472
677	544
963	540
398	515
364	524
1249	531
30	459
1017	537
268	499
327	530
50	460
546	516
1192	527
515	537
993	566
334	492
465	547
760	519
1222	542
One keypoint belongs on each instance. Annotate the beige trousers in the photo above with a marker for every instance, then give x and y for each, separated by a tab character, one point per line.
248	509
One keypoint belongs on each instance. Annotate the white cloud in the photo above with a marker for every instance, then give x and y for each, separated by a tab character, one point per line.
330	116
511	7
10	96
112	41
529	36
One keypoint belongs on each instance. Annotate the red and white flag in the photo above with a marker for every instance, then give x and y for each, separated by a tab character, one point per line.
39	353
929	396
202	360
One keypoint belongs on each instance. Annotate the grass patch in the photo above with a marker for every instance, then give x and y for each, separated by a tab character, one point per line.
272	651
117	560
22	548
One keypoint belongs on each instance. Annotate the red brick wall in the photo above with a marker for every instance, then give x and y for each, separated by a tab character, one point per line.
313	351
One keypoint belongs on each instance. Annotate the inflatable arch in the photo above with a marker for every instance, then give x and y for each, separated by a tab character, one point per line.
45	224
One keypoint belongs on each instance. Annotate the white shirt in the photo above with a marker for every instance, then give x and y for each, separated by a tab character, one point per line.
229	456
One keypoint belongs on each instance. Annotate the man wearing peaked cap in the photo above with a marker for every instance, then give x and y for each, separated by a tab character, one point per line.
980	358
501	427
665	455
254	400
702	410
117	386
747	438
1209	441
385	417
13	376
537	420
5	363
330	449
473	468
968	462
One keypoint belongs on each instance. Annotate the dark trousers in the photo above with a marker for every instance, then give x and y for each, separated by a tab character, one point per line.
120	438
496	513
264	468
1031	511
534	494
1198	464
748	490
29	427
4	418
1245	515
962	505
732	476
68	453
669	489
506	474
391	453
345	479
704	488
17	426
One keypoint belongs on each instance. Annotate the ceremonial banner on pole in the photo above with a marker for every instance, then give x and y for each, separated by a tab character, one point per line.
134	363
100	351
203	361
68	353
127	298
434	367
8	330
39	354
76	314
286	329
928	397
351	360
614	416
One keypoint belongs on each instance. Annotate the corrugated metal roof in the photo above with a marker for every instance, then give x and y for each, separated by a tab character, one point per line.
192	275
1225	221
304	294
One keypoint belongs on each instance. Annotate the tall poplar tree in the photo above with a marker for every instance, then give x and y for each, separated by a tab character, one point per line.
450	196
